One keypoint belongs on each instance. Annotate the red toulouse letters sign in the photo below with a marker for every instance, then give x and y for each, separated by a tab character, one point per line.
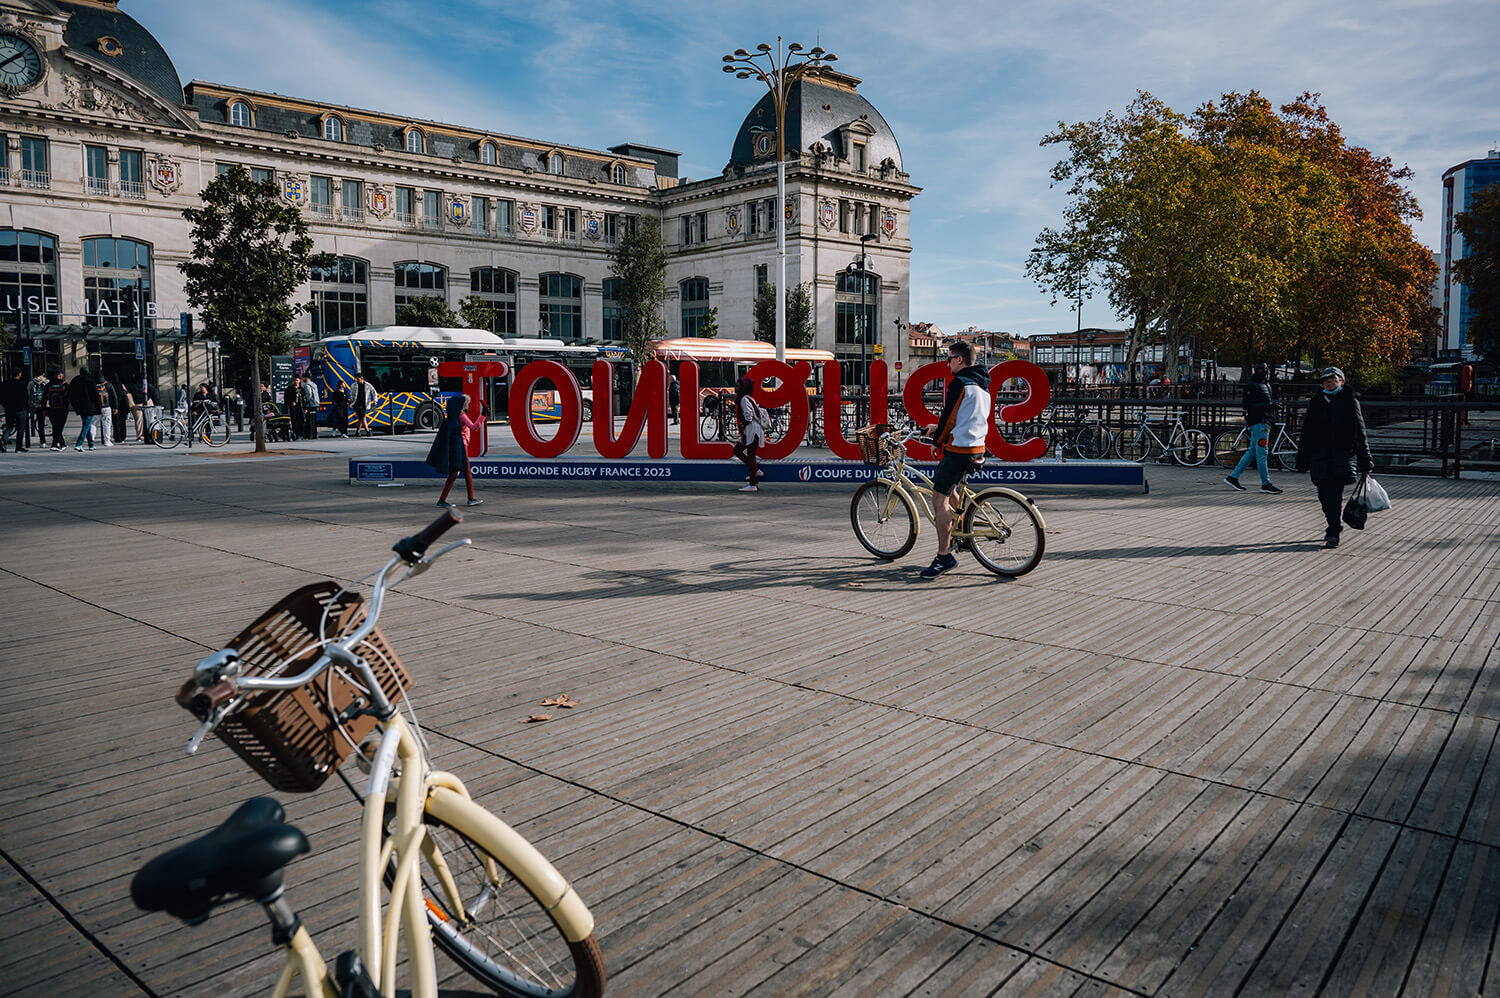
648	409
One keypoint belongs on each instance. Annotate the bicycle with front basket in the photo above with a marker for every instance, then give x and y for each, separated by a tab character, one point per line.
310	682
1001	527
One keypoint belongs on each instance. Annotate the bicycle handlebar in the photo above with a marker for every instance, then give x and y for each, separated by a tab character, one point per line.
411	549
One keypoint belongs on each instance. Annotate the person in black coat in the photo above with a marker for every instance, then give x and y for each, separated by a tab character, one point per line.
1260	415
1333	447
449	453
83	396
15	396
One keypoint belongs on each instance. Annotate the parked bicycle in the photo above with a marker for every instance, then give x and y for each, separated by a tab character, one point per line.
1074	430
1231	445
209	425
1184	445
716	420
306	685
1002	528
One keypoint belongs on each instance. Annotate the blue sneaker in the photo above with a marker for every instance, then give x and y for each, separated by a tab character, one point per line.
940	564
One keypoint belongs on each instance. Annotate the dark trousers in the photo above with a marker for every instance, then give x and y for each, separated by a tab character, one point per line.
295	411
747	454
312	424
39	426
59	419
18	424
1331	498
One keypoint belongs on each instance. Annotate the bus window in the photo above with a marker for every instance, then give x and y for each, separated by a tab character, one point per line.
392	374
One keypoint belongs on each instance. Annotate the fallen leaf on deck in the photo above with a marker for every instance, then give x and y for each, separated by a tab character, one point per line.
538	717
856	585
561	700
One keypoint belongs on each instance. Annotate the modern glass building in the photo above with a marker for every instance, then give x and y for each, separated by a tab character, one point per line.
1460	186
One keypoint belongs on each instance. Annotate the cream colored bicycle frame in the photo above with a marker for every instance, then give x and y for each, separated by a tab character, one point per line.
916	486
414	790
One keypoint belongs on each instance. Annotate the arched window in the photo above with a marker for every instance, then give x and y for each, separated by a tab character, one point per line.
555	164
617	174
498	289
561	299
28	277
415	141
856	321
116	280
239	114
420	280
694	295
487	154
333	129
341	296
612	331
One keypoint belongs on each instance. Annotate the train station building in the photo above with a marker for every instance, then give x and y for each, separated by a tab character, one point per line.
105	146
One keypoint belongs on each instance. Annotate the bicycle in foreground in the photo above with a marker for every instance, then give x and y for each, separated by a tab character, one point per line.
309	683
1001	527
209	424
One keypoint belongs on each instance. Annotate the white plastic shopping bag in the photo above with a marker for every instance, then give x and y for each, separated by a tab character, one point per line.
1376	498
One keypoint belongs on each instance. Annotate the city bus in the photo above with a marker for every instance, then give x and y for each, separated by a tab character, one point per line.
401	362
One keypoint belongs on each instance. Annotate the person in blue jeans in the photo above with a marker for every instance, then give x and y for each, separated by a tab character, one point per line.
1260	413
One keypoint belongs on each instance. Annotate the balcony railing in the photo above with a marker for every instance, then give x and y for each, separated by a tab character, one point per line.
96	185
37	180
4	176
405	218
133	189
431	223
351	214
321	210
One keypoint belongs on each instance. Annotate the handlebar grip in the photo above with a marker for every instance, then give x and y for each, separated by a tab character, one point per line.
412	548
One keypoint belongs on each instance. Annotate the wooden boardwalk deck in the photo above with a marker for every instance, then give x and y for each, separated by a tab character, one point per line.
1192	754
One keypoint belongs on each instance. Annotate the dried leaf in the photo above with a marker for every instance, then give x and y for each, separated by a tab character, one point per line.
534	718
561	700
856	585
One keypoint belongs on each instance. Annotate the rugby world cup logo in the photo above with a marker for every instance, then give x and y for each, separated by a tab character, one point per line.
805	473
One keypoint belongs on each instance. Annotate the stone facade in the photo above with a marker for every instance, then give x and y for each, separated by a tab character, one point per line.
97	148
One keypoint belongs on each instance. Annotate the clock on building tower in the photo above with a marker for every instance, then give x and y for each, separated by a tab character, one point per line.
20	64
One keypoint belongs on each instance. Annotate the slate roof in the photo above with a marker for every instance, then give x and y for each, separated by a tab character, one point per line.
815	113
143	58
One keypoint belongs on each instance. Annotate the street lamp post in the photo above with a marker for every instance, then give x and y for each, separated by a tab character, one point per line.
900	326
778	69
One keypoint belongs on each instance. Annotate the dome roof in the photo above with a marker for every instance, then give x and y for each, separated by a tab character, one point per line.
140	57
823	107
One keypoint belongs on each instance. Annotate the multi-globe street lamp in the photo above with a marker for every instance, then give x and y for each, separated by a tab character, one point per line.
778	69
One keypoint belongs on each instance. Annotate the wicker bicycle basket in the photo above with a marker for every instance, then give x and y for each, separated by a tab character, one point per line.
292	737
872	450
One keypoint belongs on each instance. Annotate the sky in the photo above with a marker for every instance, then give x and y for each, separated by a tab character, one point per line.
969	89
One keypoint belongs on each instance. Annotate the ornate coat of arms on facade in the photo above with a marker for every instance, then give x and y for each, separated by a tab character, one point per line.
732	220
828	214
166	175
458	210
530	218
294	189
790	214
593	226
888	223
84	95
380	201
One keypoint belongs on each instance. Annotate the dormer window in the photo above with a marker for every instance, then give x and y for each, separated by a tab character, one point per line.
487	154
555	164
415	140
617	173
333	129
857	158
239	114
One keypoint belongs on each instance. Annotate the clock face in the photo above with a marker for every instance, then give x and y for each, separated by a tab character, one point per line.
20	63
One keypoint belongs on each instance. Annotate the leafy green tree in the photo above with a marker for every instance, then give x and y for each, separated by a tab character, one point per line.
640	263
709	327
476	313
251	252
427	310
1479	270
799	321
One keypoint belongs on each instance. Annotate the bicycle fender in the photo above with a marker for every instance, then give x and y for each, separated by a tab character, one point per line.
1015	495
518	856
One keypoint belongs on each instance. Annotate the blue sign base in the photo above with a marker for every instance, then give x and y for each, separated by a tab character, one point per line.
367	471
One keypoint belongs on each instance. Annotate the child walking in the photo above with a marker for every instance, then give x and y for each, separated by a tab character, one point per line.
450	449
752	420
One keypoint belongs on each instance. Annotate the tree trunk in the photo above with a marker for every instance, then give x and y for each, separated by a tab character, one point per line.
257	413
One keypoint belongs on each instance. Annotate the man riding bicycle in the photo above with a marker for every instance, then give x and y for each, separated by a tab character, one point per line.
960	439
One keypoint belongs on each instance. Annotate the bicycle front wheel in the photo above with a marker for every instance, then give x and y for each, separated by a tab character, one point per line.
168	433
215	431
1230	446
1004	532
1137	444
1191	448
884	519
497	930
708	426
1093	442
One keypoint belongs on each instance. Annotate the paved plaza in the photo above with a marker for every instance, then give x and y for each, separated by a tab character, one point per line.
1192	754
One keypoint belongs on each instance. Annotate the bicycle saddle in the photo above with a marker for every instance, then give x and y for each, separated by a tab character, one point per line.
242	858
